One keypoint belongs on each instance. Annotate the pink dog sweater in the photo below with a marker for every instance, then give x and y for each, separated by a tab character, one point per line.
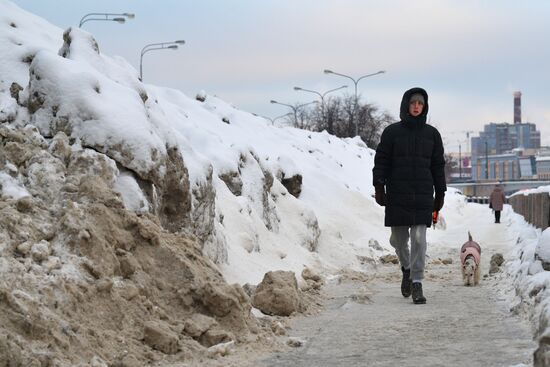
470	248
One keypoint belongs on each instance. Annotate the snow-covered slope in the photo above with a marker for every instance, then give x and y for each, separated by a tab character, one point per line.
204	167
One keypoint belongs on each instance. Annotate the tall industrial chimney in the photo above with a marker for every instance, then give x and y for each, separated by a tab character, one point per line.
517	107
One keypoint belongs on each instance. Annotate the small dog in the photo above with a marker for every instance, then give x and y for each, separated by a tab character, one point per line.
470	257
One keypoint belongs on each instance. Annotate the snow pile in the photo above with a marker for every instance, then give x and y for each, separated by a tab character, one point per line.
538	190
202	166
529	269
112	192
84	279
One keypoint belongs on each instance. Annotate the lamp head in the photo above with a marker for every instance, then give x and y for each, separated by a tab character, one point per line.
173	47
180	42
326	71
129	15
297	88
119	20
273	101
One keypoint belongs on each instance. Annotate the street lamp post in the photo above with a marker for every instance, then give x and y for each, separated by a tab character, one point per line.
459	162
460	141
468	132
355	81
113	17
294	108
322	95
157	46
486	160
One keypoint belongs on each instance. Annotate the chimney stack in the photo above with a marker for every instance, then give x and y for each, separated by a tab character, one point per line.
517	107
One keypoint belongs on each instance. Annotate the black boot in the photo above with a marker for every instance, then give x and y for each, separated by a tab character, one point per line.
418	297
406	282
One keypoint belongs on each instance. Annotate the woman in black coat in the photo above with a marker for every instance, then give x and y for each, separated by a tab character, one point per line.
408	169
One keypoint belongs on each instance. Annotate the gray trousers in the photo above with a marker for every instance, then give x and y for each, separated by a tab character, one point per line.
416	259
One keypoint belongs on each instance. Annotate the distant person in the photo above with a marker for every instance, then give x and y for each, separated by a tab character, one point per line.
408	165
496	201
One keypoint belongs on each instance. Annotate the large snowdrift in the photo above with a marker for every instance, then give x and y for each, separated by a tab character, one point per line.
233	163
113	192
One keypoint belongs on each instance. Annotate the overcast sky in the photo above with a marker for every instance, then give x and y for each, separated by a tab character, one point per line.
469	55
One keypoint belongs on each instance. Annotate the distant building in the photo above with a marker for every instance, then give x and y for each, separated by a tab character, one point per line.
508	147
460	169
543	164
525	136
517	107
543	168
527	167
503	137
501	167
504	167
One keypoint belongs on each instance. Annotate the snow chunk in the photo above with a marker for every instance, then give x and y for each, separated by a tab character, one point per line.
543	247
132	196
10	187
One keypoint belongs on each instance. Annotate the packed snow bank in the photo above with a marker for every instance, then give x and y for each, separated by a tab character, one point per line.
84	279
538	190
529	270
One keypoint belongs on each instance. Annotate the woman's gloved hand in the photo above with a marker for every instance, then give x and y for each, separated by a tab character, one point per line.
380	195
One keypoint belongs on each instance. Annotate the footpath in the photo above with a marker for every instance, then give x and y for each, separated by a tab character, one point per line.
366	322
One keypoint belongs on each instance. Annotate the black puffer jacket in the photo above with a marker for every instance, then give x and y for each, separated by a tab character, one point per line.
409	162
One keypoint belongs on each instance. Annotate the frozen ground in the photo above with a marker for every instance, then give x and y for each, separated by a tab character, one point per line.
368	322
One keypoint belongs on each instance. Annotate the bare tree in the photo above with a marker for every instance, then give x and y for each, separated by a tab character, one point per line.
328	116
339	116
347	128
304	119
450	165
371	124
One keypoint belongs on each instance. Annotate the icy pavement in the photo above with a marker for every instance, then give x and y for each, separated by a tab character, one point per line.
459	326
370	323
